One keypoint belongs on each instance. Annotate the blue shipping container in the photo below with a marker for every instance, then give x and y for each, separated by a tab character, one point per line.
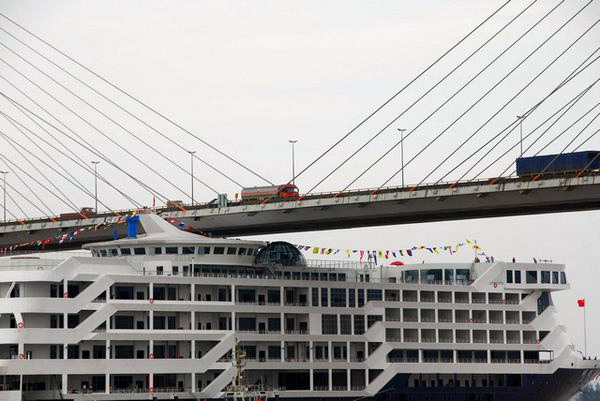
565	162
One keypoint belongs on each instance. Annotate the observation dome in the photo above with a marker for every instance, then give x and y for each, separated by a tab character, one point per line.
281	254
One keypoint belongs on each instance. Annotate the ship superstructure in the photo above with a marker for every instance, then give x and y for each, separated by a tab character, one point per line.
161	315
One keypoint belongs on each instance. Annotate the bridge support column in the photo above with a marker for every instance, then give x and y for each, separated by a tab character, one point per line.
348	380
65	382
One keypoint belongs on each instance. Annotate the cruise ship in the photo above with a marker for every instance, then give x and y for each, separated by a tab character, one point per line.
161	314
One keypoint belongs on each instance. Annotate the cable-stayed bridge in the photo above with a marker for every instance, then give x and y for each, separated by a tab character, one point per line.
522	85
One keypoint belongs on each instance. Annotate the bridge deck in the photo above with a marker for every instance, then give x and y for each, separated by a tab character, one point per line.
509	197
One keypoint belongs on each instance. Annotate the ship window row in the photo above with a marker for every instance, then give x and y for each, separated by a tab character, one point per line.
464	336
467	356
536	277
414	315
175	250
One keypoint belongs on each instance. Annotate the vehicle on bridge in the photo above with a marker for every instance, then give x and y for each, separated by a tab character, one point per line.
574	162
285	191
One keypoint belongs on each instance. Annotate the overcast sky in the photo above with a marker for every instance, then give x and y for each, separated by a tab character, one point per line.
248	76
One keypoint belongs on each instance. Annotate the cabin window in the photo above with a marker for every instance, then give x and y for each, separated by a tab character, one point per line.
139	251
219	250
171	250
114	252
125	251
563	278
531	276
158	251
545	277
250	251
517	276
204	250
241	251
103	253
188	250
231	251
159	270
554	277
509	276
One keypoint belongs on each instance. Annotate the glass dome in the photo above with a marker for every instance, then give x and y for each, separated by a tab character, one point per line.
280	254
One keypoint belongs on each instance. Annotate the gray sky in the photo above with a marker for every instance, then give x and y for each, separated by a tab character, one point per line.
248	76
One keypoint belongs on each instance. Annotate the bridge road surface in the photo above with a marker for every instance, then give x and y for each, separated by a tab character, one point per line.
507	197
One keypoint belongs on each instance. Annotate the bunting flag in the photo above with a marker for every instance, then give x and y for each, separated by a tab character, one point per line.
381	254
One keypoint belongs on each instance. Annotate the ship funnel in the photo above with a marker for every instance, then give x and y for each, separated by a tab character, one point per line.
132	229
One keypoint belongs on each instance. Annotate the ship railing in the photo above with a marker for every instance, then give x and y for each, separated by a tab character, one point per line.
445	320
296	304
296	332
428	339
393	319
339	388
320	388
357	388
356	359
428	319
403	360
288	359
513	341
512	321
480	341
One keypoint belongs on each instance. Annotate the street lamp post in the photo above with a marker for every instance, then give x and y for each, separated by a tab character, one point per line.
402	152
4	191
95	163
192	152
521	129
293	142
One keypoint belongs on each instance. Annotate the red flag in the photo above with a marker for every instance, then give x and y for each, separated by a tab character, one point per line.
581	303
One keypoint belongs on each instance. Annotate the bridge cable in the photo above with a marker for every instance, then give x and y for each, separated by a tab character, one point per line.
509	102
476	102
88	123
72	179
512	126
489	91
569	127
75	157
75	183
18	205
360	124
11	142
421	97
117	124
563	132
87	146
572	102
135	99
65	201
10	163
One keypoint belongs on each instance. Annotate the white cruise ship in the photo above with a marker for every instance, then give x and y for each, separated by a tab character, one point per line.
158	316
